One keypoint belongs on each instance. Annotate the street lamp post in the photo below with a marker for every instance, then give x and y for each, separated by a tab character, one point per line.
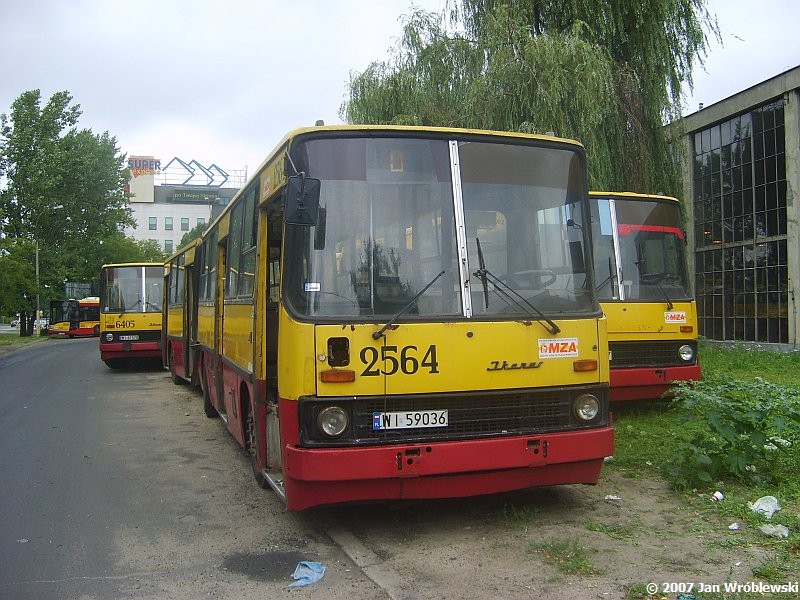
36	317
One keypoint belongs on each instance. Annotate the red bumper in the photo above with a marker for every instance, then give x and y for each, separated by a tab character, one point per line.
648	383
443	469
130	350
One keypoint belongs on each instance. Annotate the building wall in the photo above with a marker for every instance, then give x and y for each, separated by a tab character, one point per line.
164	213
741	179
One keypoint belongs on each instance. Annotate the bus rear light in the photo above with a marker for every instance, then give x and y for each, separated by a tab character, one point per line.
337	376
687	329
581	366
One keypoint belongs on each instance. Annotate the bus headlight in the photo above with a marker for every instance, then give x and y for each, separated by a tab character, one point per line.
586	407
332	421
686	352
109	337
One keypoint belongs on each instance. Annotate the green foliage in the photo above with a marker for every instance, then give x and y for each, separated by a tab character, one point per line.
192	234
734	428
63	192
608	74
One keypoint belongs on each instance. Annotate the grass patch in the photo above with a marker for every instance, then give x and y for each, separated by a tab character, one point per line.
520	517
616	531
11	340
568	556
731	432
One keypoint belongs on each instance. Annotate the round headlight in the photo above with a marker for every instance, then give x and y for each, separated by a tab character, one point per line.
109	337
686	352
586	407
332	421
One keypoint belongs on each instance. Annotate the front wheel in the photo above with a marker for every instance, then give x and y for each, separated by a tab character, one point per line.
250	430
208	408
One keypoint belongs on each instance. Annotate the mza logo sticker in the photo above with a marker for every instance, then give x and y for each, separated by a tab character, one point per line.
558	348
677	316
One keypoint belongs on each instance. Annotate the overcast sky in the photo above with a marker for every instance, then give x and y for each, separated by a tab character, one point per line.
222	82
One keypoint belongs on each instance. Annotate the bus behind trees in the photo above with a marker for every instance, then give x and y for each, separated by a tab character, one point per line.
75	318
130	312
645	291
396	312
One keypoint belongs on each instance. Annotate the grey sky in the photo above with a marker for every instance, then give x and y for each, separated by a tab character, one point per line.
221	82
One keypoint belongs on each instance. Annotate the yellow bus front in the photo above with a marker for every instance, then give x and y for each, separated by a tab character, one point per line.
438	331
645	292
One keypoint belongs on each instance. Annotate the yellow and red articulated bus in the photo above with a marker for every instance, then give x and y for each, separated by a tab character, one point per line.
644	288
130	312
180	314
392	313
75	318
59	317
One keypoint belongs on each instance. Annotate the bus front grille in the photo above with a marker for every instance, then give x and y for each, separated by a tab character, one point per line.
625	355
488	413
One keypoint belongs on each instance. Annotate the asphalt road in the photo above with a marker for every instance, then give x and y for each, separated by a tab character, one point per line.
114	484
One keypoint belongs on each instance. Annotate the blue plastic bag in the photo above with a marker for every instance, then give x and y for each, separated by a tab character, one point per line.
307	572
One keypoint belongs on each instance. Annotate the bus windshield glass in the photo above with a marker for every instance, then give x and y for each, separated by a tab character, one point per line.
401	220
135	289
651	250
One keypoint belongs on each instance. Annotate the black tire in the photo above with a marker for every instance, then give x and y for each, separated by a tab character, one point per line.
250	439
208	408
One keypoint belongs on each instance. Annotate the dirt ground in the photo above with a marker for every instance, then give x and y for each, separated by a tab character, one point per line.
497	547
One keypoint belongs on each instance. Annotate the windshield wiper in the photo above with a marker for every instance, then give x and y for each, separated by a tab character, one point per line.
481	273
129	308
505	292
403	310
664	293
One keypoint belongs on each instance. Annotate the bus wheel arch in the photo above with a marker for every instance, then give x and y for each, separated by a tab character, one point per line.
176	379
208	407
251	435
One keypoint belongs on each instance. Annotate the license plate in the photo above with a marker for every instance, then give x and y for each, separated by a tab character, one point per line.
410	419
129	338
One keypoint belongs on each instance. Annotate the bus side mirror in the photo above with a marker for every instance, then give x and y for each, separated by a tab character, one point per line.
302	200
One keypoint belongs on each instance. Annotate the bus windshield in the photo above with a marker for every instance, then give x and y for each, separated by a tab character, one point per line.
439	228
132	289
651	250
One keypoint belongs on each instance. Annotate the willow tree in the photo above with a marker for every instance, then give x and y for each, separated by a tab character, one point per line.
610	74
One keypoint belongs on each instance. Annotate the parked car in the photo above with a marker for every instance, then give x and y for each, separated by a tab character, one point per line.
14	322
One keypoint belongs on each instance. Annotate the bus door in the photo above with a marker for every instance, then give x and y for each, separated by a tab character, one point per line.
215	383
272	217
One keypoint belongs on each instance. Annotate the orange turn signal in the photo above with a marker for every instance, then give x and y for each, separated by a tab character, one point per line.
579	366
686	329
337	376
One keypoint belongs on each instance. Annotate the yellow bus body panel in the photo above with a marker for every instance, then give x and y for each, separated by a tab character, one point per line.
237	342
205	325
420	358
175	321
634	321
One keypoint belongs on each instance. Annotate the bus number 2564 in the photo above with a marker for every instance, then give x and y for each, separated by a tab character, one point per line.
406	360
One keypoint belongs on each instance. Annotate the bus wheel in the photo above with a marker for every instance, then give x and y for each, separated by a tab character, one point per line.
250	425
208	408
116	363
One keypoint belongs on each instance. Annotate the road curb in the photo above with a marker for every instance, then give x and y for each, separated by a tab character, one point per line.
371	565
